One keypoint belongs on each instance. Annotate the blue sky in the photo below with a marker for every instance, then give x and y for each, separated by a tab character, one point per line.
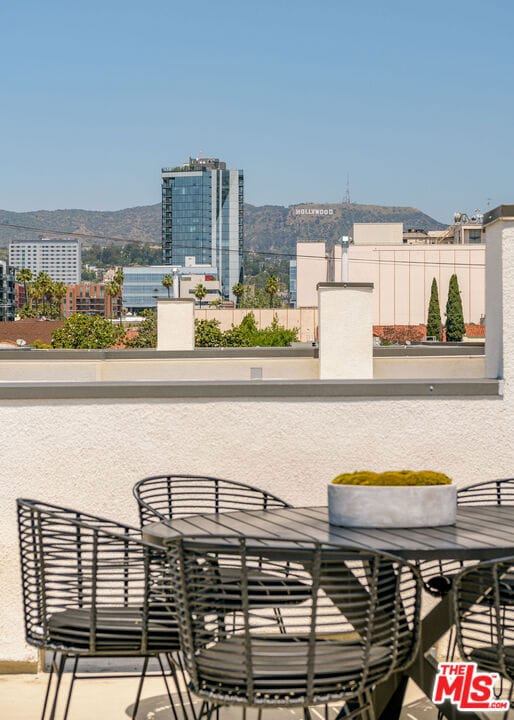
414	100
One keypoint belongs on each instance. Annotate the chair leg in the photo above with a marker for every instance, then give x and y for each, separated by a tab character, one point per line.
59	671
72	682
211	708
176	678
172	704
140	688
205	710
49	684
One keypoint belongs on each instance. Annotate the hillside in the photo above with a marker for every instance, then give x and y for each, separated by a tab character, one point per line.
273	227
267	228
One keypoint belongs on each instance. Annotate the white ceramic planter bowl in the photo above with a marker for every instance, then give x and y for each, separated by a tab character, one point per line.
391	505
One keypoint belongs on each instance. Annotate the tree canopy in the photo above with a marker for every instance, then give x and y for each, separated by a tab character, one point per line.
43	296
434	326
455	328
246	334
84	332
146	336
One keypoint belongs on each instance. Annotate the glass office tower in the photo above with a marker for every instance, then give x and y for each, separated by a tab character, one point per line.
7	293
202	217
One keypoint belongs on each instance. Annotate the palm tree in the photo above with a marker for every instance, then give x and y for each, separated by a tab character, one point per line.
113	290
271	288
167	282
59	293
25	276
118	278
43	289
238	291
200	292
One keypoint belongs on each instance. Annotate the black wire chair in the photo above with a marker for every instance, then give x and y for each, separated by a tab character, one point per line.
489	492
359	625
484	621
167	497
437	575
91	589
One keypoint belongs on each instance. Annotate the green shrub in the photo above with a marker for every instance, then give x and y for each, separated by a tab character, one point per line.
208	333
455	328
394	477
146	336
434	327
246	334
85	332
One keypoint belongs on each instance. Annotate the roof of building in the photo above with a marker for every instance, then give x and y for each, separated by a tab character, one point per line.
415	333
28	330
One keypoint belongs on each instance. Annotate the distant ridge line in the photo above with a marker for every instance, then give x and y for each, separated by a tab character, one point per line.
267	227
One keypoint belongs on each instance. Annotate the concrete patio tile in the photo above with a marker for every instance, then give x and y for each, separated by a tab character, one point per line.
21	698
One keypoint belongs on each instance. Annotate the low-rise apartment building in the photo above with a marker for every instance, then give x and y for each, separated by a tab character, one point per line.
90	299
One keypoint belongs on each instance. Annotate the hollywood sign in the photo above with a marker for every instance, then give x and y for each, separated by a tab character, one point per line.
314	211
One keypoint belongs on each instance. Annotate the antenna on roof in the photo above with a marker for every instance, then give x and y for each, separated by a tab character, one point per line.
347	199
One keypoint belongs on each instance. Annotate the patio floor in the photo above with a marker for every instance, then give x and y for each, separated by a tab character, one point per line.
21	698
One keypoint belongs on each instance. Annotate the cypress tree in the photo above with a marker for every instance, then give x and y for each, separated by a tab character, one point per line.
434	313
454	316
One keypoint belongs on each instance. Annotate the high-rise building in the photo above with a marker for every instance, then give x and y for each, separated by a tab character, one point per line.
202	217
6	292
61	259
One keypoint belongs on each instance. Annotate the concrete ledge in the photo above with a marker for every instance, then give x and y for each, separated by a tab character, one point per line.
331	285
429	350
307	350
18	667
272	389
27	354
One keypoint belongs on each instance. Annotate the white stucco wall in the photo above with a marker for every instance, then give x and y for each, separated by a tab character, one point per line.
175	324
89	453
345	331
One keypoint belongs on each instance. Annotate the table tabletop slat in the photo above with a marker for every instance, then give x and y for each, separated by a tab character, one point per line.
481	532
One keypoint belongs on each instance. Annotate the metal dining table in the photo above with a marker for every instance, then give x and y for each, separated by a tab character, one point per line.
480	533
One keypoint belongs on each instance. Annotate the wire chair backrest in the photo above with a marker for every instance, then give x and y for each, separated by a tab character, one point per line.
73	562
489	492
484	615
163	497
357	625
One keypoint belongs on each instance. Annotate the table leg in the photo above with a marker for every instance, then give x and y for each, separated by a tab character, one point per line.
424	668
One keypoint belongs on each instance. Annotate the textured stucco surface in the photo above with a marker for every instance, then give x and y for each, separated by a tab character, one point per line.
88	454
175	324
345	331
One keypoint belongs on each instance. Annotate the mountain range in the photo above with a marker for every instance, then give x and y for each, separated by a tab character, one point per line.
267	228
